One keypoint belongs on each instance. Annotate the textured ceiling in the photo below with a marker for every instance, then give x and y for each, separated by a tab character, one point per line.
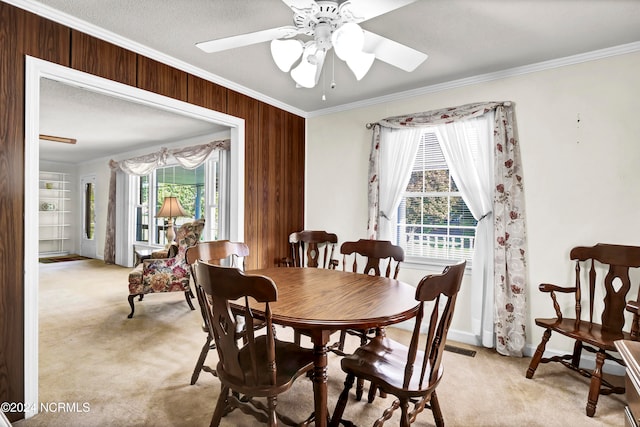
464	39
105	125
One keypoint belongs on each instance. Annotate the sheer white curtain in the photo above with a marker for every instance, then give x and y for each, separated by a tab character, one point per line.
471	166
398	148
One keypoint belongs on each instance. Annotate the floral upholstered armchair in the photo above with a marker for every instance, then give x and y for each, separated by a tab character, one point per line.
166	274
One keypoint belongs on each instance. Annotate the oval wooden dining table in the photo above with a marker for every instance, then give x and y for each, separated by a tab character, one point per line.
320	302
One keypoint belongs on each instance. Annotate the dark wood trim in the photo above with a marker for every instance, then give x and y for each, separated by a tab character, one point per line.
206	94
242	106
97	57
160	78
11	201
45	39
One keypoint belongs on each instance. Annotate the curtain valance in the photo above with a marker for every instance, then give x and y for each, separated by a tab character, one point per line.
442	116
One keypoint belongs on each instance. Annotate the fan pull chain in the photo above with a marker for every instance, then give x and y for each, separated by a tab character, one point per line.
324	75
333	69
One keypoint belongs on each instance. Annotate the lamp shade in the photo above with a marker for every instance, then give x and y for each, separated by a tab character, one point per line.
171	208
286	52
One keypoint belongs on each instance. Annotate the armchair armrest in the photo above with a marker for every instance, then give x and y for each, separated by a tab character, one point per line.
547	287
160	254
551	290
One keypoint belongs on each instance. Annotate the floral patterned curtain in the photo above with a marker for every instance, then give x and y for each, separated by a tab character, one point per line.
508	209
189	158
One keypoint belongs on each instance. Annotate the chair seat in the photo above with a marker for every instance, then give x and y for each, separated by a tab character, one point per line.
158	275
591	333
384	360
292	361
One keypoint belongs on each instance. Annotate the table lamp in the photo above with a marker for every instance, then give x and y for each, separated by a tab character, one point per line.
170	208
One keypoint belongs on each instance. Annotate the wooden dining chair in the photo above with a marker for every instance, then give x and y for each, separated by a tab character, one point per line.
406	372
263	367
377	258
214	252
606	268
312	248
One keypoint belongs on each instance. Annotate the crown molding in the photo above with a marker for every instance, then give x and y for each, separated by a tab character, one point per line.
108	36
482	78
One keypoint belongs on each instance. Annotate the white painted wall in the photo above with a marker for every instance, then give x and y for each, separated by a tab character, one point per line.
581	180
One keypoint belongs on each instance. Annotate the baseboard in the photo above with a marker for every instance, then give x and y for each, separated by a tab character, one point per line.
464	338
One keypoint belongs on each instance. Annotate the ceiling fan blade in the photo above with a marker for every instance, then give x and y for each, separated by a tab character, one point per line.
242	40
392	52
297	5
361	10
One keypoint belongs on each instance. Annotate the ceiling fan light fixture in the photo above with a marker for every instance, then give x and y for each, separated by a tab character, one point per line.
286	52
330	24
306	71
360	64
348	40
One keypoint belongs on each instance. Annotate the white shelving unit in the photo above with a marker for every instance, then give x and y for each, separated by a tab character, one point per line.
54	205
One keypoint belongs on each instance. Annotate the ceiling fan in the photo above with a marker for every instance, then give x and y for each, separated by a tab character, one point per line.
330	24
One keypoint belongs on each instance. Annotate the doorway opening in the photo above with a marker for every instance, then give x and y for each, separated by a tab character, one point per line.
35	71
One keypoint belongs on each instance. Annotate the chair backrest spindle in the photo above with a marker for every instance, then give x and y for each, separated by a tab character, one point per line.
312	248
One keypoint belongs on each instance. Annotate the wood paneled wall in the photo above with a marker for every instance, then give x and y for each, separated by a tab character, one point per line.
274	177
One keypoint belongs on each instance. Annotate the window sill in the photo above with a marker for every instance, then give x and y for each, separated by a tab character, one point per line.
432	264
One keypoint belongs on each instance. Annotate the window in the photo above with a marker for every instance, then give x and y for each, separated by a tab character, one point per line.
199	193
433	220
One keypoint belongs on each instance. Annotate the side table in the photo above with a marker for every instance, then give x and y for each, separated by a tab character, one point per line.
140	254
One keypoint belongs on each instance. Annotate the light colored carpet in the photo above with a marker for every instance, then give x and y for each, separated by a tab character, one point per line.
136	372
